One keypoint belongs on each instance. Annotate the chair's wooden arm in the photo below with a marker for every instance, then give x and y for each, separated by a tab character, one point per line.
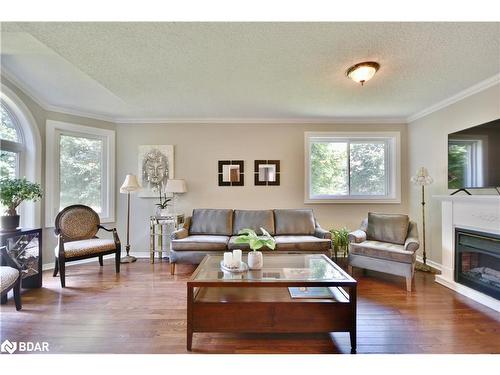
115	234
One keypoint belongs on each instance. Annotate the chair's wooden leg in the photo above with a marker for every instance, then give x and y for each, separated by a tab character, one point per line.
408	283
62	272
17	294
56	268
100	260
172	268
117	262
349	269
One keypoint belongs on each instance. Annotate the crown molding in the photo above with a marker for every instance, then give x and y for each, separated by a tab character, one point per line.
253	120
474	89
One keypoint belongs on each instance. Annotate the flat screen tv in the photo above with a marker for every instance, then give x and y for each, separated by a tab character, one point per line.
474	157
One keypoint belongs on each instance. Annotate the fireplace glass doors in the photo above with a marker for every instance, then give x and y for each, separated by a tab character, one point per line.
477	261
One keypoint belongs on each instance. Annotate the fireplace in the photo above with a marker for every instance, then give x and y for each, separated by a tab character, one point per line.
477	261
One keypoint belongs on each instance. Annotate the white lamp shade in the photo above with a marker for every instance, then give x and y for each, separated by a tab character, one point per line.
130	184
176	186
422	177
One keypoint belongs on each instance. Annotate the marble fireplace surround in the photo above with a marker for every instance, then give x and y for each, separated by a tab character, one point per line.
477	212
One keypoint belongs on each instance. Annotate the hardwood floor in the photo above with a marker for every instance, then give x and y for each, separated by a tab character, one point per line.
143	310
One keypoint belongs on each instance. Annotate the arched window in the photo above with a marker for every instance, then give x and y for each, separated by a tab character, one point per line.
20	149
11	154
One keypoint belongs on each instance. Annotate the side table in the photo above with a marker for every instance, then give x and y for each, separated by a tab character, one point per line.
25	247
159	228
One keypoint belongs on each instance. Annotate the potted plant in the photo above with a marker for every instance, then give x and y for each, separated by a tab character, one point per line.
13	191
340	240
256	242
162	207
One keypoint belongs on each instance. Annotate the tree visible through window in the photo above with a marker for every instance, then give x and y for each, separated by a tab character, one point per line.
350	167
80	171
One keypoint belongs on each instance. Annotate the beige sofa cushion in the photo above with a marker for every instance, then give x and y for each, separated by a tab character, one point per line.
86	247
212	221
391	228
8	276
201	243
294	222
302	243
382	250
253	219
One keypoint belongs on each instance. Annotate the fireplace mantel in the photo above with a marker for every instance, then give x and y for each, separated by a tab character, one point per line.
476	212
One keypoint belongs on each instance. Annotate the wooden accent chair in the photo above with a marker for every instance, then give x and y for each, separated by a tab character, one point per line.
76	227
10	278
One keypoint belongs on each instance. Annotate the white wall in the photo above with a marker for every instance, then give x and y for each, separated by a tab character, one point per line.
428	147
198	147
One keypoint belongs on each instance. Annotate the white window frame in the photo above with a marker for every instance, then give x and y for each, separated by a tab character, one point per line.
392	160
478	168
54	129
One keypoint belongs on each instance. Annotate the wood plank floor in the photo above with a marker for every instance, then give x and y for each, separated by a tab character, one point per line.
143	310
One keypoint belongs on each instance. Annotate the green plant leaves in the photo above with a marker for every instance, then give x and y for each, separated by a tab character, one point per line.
14	191
255	241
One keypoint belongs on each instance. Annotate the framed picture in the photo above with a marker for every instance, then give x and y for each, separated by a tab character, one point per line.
267	172
156	166
231	173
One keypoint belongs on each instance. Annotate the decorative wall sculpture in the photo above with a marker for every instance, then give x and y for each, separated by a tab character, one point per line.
156	166
231	173
267	172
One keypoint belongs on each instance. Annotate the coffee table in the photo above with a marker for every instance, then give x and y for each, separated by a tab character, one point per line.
260	301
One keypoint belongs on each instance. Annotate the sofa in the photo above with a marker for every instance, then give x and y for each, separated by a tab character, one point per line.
385	243
213	231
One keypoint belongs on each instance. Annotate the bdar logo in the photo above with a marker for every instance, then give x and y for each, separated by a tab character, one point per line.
9	347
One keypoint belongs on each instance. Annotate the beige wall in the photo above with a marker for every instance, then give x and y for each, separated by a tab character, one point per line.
428	146
198	147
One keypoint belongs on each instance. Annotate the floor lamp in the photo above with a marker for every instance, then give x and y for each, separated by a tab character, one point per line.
423	179
130	185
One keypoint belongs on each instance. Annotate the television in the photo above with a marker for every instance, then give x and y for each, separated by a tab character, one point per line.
474	157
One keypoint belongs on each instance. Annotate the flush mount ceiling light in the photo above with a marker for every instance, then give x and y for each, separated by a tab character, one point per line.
362	72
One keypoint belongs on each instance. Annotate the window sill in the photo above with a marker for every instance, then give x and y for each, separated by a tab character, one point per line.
353	201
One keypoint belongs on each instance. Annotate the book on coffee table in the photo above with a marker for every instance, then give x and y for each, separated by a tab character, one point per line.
310	292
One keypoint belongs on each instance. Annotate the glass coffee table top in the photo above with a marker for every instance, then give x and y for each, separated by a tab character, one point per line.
277	268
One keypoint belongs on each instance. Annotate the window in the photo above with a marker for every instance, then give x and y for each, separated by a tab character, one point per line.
12	144
80	169
352	167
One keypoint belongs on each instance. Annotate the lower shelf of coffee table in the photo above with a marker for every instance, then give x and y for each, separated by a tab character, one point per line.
230	309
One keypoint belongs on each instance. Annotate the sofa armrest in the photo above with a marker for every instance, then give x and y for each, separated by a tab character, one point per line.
182	232
357	236
322	233
412	243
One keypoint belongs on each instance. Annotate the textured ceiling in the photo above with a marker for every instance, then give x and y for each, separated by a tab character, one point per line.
247	70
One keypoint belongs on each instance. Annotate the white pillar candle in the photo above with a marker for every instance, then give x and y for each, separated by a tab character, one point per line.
237	257
228	259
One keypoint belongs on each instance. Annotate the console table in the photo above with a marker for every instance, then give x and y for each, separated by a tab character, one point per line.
25	247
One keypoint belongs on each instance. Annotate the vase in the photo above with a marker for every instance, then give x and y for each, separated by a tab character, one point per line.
255	260
162	212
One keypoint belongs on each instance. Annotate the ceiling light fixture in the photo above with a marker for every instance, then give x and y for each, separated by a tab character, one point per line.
362	72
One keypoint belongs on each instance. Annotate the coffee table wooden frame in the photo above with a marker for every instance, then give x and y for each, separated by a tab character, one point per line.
275	312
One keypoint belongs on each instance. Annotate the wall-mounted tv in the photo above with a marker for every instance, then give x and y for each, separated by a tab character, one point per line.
474	157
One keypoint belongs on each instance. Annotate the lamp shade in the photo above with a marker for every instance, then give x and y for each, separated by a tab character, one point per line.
176	186
422	177
130	184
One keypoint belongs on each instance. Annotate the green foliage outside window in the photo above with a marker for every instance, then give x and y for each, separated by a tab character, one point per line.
80	171
458	156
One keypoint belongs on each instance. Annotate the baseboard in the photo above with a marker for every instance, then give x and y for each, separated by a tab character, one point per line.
431	263
50	266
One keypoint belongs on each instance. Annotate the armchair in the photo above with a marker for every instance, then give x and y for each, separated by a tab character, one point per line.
385	243
76	227
10	278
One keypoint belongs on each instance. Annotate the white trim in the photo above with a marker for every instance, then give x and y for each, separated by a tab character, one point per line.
478	87
51	173
257	120
395	168
31	155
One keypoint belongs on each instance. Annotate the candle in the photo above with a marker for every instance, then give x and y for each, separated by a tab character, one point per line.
237	257
228	259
